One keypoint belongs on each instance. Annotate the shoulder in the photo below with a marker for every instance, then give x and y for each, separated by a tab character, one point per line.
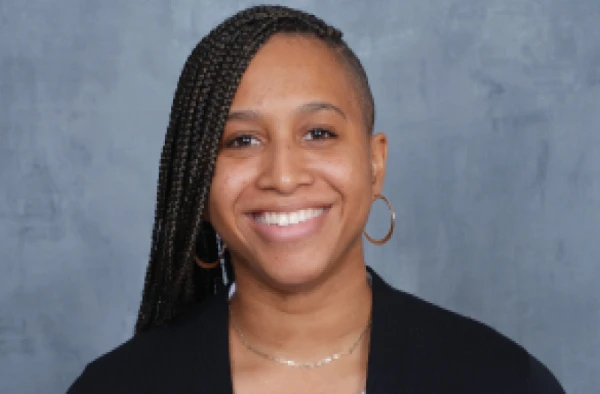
463	351
163	359
451	331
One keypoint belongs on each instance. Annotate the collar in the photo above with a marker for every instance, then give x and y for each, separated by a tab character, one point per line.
389	345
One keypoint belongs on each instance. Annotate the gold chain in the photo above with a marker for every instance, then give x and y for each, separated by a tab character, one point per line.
292	363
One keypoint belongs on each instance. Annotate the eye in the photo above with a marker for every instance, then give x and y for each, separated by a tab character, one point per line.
319	133
242	141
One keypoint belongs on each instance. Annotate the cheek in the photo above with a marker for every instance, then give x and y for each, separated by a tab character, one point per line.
349	173
229	181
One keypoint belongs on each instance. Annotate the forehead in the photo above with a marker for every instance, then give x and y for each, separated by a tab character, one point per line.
293	65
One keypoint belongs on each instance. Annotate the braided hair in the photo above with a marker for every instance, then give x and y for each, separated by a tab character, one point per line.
201	104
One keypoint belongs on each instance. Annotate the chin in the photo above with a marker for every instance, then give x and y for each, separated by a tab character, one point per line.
295	275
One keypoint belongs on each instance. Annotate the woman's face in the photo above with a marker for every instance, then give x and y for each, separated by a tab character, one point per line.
296	171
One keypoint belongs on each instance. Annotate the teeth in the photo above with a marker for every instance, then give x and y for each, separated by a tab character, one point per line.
288	218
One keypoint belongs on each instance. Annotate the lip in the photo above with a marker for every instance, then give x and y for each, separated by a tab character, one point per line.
294	232
286	208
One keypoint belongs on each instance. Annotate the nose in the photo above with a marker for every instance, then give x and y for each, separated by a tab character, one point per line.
284	169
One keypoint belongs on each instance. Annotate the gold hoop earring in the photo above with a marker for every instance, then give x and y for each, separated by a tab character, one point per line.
214	264
392	224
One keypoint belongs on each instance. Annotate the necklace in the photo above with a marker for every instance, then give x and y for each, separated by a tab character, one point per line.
292	363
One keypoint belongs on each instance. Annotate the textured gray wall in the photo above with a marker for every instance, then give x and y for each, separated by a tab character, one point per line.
493	113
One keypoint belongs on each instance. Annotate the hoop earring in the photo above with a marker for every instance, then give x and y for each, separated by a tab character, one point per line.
214	264
392	224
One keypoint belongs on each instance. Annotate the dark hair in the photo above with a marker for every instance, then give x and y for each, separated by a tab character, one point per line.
204	93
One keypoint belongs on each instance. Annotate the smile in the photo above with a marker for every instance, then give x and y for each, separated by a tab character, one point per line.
284	219
288	226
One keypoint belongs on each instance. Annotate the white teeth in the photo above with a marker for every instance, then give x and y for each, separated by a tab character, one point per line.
288	218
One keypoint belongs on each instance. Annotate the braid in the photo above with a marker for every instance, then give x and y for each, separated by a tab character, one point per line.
201	104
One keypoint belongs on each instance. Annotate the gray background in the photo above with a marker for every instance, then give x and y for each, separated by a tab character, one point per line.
493	113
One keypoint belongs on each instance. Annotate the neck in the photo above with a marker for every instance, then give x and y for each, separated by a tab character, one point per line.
309	324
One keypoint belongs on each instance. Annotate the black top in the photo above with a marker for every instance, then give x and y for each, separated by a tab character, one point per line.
416	347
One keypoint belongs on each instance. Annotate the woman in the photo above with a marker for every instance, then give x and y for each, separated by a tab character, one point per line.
257	280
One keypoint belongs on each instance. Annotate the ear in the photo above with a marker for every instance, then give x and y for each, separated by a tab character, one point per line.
379	147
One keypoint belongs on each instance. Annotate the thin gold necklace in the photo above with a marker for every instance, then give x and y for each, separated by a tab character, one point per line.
292	363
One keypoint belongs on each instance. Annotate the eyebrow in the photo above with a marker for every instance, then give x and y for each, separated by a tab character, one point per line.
313	106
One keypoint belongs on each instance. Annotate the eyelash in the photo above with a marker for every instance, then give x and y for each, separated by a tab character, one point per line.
330	133
238	142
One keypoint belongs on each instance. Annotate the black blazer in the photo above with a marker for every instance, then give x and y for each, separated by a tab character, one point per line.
416	348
